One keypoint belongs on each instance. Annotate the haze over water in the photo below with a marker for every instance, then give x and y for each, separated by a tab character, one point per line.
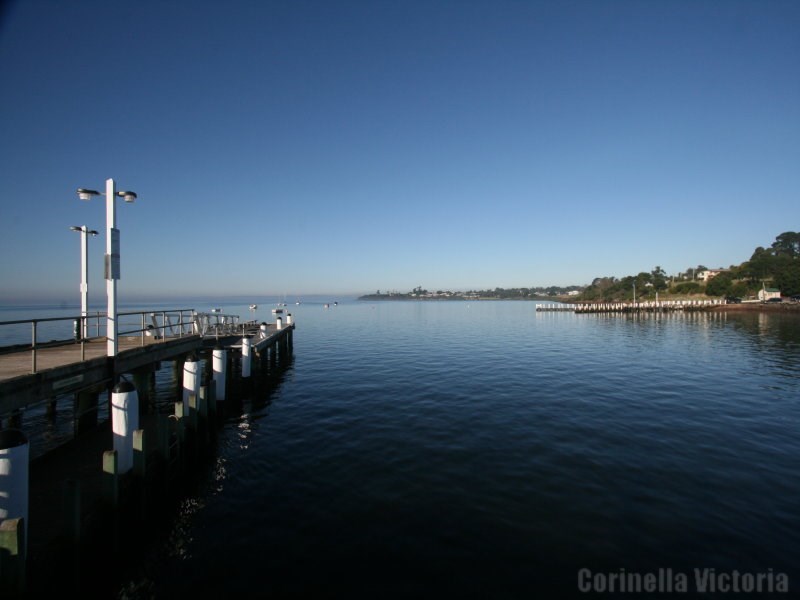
453	448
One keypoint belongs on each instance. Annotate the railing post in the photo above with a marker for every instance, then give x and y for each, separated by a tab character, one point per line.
33	347
142	329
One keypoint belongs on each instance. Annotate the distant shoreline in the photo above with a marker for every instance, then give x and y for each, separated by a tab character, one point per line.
398	297
783	307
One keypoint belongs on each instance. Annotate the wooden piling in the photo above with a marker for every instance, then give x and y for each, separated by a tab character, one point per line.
140	471
50	412
203	420
72	528
142	381
177	375
139	455
111	477
111	493
191	423
12	557
180	432
15	420
86	410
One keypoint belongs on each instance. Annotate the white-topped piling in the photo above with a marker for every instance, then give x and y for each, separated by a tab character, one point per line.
220	370
246	357
14	480
278	323
192	373
124	421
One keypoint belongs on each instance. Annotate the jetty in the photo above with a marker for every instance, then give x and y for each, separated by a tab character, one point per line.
65	505
631	307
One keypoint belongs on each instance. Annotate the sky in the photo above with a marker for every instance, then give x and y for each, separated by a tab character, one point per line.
305	147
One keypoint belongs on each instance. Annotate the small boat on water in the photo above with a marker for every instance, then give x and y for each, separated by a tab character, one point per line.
277	311
216	310
253	306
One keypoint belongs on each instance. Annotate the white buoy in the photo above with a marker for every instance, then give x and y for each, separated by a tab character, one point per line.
220	370
14	481
279	323
246	358
289	319
124	421
191	380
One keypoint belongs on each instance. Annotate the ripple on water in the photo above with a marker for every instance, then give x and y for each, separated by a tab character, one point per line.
466	448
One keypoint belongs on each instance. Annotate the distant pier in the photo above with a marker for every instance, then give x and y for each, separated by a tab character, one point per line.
631	307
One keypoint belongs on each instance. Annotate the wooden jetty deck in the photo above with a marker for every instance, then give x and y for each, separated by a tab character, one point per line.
77	493
70	367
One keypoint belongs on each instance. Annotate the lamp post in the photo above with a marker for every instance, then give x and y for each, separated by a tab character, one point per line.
112	258
85	233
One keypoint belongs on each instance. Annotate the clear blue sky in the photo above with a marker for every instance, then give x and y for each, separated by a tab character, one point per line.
301	147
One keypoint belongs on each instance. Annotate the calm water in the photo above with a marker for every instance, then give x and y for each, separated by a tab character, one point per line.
481	449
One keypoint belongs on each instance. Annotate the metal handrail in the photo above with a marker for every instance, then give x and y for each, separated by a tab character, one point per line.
216	324
156	330
82	320
178	322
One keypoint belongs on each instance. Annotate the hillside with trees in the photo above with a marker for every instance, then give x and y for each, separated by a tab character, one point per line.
777	266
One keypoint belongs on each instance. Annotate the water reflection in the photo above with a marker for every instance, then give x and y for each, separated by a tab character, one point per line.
242	414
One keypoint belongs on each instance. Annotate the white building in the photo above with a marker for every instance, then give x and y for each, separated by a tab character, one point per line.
767	293
710	274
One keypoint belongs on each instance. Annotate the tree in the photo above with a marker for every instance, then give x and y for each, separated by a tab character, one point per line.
687	287
720	285
658	278
787	244
740	289
788	280
759	266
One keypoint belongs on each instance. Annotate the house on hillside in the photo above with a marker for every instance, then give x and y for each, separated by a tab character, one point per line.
710	274
767	293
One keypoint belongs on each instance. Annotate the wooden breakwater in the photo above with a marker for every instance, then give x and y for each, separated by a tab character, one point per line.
631	307
94	502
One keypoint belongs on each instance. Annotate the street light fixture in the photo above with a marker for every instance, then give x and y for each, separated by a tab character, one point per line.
112	259
85	233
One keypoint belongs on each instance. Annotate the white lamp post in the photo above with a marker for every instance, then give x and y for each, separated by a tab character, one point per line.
85	233
112	257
